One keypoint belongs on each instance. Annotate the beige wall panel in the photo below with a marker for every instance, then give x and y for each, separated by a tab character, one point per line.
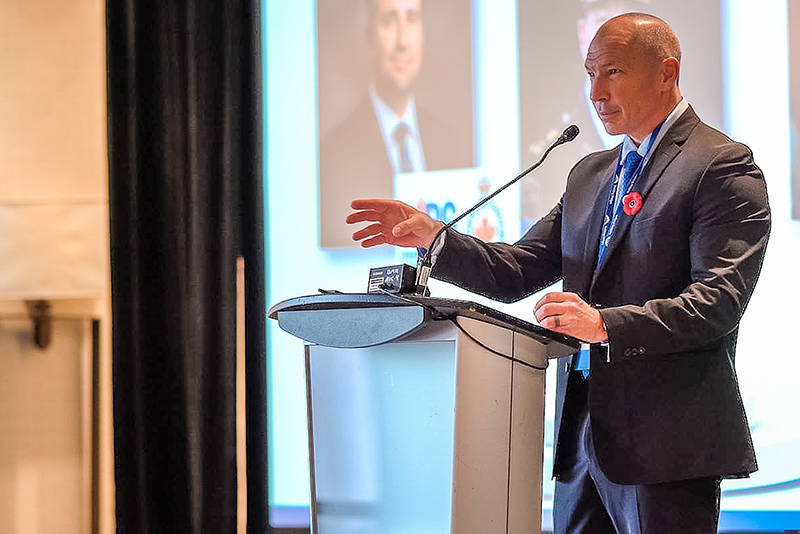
41	453
52	99
53	251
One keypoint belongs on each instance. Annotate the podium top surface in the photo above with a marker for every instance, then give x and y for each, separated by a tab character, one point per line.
415	310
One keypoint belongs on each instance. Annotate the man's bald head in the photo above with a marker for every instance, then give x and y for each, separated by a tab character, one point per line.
647	33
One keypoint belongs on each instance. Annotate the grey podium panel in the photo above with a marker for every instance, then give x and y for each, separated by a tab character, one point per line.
431	434
382	438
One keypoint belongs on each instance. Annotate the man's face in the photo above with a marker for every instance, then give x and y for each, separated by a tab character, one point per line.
397	43
624	85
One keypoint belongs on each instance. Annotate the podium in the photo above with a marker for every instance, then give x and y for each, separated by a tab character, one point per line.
425	415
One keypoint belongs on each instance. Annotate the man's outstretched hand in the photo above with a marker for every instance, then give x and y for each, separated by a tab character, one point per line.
395	223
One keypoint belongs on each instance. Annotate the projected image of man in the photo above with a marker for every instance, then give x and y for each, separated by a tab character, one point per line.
396	41
388	132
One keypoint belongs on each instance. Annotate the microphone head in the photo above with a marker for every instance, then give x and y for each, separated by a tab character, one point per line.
570	133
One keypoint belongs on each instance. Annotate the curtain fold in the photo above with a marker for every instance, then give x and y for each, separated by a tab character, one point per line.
185	201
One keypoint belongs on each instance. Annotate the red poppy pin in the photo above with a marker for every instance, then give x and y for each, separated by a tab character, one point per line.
631	203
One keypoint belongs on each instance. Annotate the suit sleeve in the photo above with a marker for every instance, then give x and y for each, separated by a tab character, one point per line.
501	271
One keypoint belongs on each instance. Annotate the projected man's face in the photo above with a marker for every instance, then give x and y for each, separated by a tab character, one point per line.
397	41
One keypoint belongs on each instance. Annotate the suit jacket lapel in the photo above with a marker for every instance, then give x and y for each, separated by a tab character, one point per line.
665	152
597	214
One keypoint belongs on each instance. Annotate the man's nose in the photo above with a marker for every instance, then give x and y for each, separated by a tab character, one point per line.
401	40
597	91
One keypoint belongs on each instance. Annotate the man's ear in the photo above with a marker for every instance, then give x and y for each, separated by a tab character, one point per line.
670	69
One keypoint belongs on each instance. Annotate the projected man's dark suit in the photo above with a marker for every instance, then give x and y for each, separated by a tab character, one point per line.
536	188
354	163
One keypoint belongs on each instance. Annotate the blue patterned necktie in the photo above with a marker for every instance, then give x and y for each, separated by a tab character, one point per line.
582	360
614	205
632	161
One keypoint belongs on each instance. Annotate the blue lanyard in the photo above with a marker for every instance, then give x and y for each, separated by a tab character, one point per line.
613	208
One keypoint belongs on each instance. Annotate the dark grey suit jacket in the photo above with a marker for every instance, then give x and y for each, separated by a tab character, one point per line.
674	283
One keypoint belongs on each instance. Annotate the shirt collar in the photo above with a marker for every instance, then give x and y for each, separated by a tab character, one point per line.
628	144
388	120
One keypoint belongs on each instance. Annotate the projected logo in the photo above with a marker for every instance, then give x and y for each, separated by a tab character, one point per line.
486	223
446	194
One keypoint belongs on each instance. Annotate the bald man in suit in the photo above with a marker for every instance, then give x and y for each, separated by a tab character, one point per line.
658	260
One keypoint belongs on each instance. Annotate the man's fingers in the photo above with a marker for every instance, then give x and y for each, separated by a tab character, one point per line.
373	241
395	223
543	311
358	217
370	203
569	314
371	230
554	309
557	296
554	322
403	229
366	215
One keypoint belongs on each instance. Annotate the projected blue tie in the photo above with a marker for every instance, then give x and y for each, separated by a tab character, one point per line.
400	136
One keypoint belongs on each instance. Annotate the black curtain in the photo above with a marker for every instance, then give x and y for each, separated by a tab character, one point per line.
184	126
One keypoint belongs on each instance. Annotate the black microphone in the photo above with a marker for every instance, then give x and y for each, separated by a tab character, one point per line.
424	270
